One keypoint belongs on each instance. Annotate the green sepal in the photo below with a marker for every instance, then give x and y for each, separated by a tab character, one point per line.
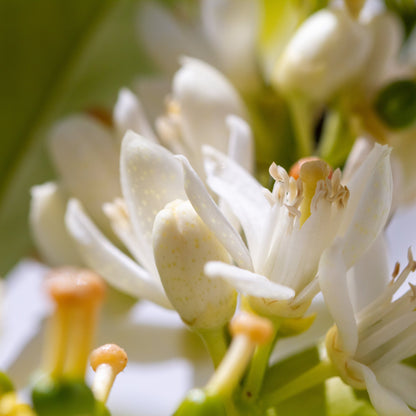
199	403
6	384
396	104
63	397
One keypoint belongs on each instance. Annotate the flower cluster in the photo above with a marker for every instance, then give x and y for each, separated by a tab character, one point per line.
253	206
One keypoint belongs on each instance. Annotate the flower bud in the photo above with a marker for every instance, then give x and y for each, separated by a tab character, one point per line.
182	245
327	51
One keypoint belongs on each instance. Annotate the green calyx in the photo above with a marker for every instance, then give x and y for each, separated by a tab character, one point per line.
65	398
199	403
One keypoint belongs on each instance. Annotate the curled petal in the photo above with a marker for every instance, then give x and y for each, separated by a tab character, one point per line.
243	194
333	281
204	110
150	178
369	204
247	282
129	115
385	401
87	161
114	266
47	212
213	217
241	143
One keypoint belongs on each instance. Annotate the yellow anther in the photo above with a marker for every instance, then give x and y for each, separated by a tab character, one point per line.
310	174
107	361
10	405
258	330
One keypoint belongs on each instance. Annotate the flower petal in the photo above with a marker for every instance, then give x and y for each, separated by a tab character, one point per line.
241	143
248	283
370	275
204	110
333	281
114	266
165	39
231	27
369	204
401	379
150	178
47	212
129	115
243	194
385	402
86	158
213	218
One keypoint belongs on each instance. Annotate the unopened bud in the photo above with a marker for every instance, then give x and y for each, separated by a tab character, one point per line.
182	245
326	52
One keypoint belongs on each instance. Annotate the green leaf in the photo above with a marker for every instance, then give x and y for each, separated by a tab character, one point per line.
396	104
58	56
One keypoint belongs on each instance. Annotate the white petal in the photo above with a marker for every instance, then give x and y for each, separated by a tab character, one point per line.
369	204
114	266
204	110
243	194
387	33
213	218
241	143
166	39
401	379
384	401
47	212
333	281
248	283
370	275
86	158
150	178
129	115
232	28
152	91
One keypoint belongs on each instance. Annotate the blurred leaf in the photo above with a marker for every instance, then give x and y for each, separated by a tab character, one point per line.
58	56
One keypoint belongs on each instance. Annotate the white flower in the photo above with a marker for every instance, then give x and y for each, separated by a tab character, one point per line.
151	178
285	245
227	37
367	344
328	50
86	153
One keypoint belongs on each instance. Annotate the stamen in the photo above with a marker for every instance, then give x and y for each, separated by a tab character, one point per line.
396	270
107	361
248	331
77	294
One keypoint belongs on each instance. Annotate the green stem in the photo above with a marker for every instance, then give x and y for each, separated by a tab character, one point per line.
216	343
316	375
302	123
254	380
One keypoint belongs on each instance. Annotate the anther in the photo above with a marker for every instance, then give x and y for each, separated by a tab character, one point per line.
396	270
107	361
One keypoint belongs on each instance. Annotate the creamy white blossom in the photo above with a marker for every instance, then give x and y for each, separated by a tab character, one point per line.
285	246
369	342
